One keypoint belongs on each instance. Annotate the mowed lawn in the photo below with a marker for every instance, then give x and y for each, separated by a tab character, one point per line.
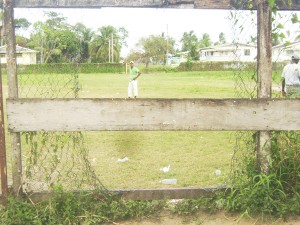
193	156
160	85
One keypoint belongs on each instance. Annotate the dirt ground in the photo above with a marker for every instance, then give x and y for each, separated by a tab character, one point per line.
206	219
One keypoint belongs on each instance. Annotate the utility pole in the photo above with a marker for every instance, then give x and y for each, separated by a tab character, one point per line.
112	48
167	54
108	50
42	44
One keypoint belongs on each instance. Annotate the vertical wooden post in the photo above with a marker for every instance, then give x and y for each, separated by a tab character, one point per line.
13	92
264	71
3	163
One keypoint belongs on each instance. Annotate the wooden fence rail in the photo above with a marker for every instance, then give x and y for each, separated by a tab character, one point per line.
152	114
193	4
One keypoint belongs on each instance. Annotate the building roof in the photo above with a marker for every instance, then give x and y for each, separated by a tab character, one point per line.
19	49
227	47
293	45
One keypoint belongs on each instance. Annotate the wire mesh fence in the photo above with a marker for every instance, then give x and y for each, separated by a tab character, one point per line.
55	158
284	144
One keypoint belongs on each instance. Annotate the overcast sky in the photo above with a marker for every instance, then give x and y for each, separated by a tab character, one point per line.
142	22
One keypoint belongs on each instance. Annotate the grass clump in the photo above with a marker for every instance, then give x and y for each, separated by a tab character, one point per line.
276	193
76	208
95	208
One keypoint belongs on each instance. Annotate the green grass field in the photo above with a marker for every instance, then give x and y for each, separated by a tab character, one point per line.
160	85
193	156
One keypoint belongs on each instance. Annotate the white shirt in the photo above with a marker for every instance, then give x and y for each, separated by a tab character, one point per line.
291	73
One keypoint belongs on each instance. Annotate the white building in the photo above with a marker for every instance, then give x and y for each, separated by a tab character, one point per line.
176	60
229	52
25	56
284	52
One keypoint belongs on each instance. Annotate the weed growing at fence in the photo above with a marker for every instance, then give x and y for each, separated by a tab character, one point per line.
276	193
71	208
93	208
273	194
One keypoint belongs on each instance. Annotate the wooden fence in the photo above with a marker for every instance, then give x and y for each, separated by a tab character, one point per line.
262	114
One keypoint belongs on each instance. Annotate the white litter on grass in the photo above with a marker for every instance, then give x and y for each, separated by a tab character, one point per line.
165	169
218	172
174	201
169	181
123	160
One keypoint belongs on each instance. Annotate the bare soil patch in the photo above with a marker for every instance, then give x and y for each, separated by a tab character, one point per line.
201	218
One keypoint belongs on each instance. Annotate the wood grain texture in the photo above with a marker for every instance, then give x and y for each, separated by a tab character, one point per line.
196	4
152	114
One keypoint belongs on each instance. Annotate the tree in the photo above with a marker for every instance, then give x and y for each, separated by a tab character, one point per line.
155	48
21	41
54	39
222	39
22	23
205	41
84	35
189	43
107	43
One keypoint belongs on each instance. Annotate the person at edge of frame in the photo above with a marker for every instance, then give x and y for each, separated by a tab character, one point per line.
290	85
133	85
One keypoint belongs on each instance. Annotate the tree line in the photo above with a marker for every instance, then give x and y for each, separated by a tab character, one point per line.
56	41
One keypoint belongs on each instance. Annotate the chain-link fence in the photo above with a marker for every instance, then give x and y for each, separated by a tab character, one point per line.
284	144
55	158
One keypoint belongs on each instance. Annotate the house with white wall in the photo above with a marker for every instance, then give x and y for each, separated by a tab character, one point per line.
229	52
25	56
284	52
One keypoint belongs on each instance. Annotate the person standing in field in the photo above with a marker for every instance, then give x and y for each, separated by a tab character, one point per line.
134	73
290	85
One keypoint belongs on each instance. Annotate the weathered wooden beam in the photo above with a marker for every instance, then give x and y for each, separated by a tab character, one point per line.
264	77
195	4
12	80
145	194
152	114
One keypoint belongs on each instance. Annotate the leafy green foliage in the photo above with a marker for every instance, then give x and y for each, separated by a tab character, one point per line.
190	206
75	208
154	49
106	44
66	68
276	193
189	42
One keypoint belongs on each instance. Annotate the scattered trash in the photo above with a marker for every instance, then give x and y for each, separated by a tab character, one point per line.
123	160
169	181
218	172
175	201
165	169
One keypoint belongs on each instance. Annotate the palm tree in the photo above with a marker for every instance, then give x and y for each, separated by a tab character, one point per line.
190	43
106	44
85	36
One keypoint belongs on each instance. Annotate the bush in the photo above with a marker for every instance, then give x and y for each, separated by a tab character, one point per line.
67	68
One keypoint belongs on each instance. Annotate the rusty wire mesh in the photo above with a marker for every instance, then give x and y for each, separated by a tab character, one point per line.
55	158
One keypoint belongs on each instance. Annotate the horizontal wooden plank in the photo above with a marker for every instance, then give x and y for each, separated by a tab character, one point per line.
145	194
167	193
196	4
152	114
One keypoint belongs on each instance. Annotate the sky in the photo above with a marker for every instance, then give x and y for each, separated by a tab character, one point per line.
142	22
